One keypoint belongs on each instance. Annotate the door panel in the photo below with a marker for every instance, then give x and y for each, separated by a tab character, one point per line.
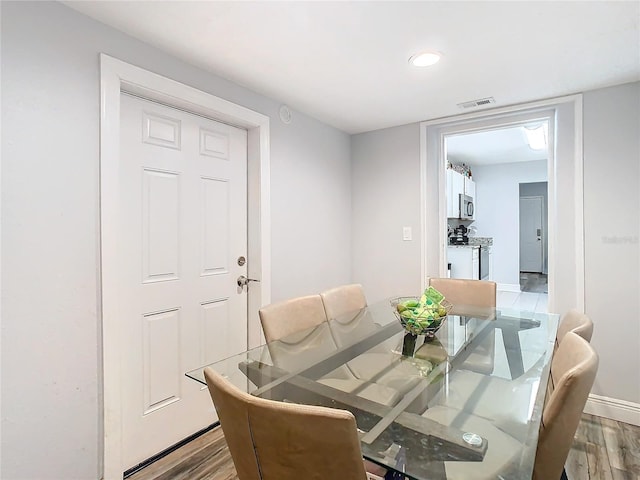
161	350
160	225
531	234
182	225
214	207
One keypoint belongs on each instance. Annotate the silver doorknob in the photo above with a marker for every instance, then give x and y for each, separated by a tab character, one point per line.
242	280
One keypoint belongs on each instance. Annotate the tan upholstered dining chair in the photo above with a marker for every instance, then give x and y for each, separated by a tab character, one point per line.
289	316
573	371
295	319
342	306
463	292
271	440
343	299
576	322
469	297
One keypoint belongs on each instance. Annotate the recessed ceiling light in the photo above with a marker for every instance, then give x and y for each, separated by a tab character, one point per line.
425	59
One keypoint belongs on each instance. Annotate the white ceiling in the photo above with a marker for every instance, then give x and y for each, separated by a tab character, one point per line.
345	63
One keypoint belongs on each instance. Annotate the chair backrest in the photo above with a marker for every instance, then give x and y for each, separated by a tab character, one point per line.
304	345
343	305
573	371
471	297
271	440
576	322
284	318
477	293
344	299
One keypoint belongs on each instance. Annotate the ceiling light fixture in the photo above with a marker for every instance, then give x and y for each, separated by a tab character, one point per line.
536	136
425	59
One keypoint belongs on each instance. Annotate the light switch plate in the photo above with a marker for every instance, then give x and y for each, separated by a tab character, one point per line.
406	233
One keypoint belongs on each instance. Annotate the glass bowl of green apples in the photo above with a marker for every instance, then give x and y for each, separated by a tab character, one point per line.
422	315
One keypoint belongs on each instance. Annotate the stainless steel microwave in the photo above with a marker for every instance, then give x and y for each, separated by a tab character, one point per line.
466	207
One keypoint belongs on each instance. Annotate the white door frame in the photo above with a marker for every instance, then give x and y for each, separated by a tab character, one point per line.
116	77
566	284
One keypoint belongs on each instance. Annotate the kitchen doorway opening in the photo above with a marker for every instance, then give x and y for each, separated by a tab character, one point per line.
495	165
534	237
565	192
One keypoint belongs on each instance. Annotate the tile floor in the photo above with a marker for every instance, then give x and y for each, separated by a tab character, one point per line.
529	301
534	282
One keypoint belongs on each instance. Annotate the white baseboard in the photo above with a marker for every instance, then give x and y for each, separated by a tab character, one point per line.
619	410
509	287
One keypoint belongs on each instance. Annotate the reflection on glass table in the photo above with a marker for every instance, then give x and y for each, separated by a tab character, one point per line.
428	412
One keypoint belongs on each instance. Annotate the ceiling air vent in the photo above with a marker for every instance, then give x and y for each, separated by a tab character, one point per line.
477	103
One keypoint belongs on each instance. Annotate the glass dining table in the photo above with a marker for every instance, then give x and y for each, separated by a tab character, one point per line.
464	404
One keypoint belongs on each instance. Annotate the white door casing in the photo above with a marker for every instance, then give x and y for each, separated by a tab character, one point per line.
531	234
565	185
183	224
116	77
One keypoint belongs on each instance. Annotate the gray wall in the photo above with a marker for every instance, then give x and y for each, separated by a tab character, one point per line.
611	219
386	198
51	427
498	212
611	205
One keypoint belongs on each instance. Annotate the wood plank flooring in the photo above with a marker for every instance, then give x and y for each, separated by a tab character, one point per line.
206	457
603	450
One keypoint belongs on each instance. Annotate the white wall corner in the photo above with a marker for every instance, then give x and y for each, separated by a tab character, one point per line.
614	409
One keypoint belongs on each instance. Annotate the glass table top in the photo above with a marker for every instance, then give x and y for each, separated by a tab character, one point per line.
466	404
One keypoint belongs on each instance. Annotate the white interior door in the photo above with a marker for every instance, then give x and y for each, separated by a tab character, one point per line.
183	224
531	234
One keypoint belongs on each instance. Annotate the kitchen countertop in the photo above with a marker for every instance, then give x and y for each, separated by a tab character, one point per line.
476	242
482	241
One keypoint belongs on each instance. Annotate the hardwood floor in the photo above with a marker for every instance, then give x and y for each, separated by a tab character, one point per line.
206	457
603	450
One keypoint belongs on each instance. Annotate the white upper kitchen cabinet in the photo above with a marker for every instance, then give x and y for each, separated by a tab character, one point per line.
458	184
455	186
470	188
